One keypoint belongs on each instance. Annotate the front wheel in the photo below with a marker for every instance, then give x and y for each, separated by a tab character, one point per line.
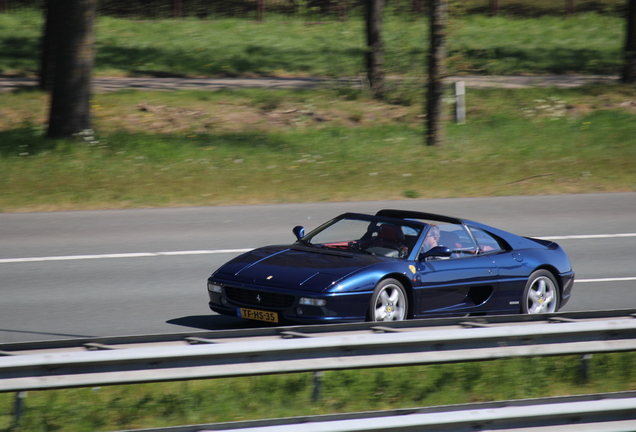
541	294
389	302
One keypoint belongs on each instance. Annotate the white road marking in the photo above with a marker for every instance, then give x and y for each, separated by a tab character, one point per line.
121	255
607	279
236	251
217	251
588	236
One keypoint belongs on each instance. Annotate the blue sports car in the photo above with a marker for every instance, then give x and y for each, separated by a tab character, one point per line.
392	266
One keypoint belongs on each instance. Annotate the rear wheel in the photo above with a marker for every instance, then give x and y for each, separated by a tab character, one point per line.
389	302
541	294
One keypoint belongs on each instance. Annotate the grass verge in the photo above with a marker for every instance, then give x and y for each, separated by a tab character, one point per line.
190	148
586	44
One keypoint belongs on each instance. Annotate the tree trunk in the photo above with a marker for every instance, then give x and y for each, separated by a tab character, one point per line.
177	6
629	69
569	7
342	10
54	19
436	73
70	101
494	7
418	6
260	10
4	5
375	52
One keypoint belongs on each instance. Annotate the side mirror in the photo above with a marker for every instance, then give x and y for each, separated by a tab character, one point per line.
299	232
437	251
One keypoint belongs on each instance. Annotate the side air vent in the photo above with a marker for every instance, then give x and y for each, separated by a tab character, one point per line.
480	294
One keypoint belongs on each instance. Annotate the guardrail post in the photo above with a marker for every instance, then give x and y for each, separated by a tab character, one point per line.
18	408
317	385
585	367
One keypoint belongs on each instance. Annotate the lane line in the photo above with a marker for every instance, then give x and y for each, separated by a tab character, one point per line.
204	252
121	255
623	279
230	251
588	236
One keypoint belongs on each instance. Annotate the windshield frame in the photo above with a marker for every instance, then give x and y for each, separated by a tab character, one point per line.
373	222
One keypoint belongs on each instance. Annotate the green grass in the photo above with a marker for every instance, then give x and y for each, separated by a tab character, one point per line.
304	9
586	43
537	7
553	45
272	146
221	400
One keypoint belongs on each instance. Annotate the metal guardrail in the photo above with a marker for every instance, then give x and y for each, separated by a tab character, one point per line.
182	356
192	337
609	412
373	346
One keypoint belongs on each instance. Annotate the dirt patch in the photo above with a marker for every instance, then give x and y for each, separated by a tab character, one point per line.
231	117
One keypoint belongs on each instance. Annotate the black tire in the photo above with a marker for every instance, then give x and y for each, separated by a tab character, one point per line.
389	302
541	294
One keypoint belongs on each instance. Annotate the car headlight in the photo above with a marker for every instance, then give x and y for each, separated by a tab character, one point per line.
312	301
215	288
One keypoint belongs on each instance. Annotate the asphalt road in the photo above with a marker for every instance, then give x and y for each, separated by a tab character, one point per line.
121	272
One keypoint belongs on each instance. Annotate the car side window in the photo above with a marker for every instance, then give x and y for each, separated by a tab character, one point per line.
456	238
487	243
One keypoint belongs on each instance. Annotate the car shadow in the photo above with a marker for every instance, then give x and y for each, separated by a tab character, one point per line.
217	322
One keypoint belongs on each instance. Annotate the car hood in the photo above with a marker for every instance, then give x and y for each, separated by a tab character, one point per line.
295	267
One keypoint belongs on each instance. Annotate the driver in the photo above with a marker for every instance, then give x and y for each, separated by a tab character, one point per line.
430	241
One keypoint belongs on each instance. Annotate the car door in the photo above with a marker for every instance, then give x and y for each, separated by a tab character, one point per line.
465	281
446	286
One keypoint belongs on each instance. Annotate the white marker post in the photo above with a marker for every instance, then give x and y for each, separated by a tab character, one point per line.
460	102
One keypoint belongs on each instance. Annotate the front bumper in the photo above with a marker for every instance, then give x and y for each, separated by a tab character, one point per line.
339	308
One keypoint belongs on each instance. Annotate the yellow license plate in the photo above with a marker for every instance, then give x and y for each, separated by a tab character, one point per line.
258	315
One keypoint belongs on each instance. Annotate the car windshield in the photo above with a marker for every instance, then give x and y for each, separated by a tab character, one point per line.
375	236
